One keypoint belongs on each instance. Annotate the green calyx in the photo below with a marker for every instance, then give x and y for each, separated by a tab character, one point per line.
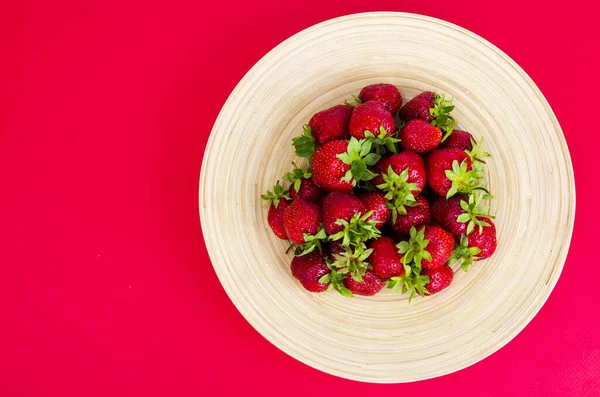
359	158
305	144
413	251
463	253
353	262
441	112
463	181
357	231
475	213
335	280
276	195
477	155
356	101
312	242
398	192
382	142
295	177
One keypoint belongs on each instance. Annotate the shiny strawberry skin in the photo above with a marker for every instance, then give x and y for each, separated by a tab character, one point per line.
369	116
302	216
328	170
438	162
418	107
439	278
399	162
371	284
419	136
275	218
385	258
331	124
340	205
308	191
445	211
387	94
376	202
458	139
416	216
441	245
486	240
308	269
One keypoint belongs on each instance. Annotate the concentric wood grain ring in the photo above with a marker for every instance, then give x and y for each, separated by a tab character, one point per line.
383	339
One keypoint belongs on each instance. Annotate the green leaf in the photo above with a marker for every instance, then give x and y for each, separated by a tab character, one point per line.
462	218
325	279
305	144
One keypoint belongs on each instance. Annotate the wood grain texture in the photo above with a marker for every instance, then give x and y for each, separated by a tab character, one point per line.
382	338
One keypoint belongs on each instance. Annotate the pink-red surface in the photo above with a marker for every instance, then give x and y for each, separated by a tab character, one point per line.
105	285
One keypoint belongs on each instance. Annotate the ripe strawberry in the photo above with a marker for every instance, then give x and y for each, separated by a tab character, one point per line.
309	269
429	248
339	165
399	162
387	94
450	171
370	116
484	239
331	124
458	139
385	258
416	216
460	214
418	107
340	205
419	136
308	190
300	218
375	202
278	201
335	248
370	285
439	279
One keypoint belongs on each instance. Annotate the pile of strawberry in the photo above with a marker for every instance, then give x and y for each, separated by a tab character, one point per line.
383	202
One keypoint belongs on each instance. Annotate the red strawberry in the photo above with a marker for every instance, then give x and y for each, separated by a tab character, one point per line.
331	124
450	171
431	254
419	136
370	285
339	165
385	258
376	202
335	248
418	107
439	279
302	185
460	214
299	218
387	94
340	205
399	162
308	269
278	201
370	116
484	240
416	216
458	139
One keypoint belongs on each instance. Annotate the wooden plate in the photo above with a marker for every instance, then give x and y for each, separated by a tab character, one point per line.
383	339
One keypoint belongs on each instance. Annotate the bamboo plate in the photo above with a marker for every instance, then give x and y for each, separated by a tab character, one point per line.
383	339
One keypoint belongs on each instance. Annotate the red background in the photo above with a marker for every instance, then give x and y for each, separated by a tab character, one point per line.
106	286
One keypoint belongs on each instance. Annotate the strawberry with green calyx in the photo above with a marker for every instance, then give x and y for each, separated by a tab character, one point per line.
369	286
400	162
416	216
450	171
305	144
413	252
477	155
340	205
387	94
441	115
398	191
475	213
328	170
439	279
278	201
420	136
464	180
353	262
335	279
459	139
356	231
301	218
460	214
480	244
359	158
370	116
382	142
376	203
385	258
330	124
432	108
310	269
313	241
465	253
302	185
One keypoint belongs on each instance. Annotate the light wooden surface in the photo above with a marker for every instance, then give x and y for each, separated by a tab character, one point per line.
383	339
